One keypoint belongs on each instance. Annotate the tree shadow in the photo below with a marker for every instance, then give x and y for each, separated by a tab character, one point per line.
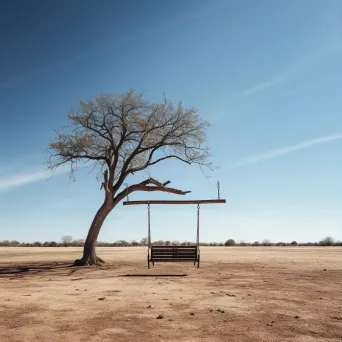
20	271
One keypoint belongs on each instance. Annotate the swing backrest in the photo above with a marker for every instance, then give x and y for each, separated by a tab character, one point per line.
174	253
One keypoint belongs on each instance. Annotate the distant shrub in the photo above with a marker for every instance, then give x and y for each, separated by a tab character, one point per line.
6	243
327	241
294	243
256	243
282	244
144	241
162	243
37	244
15	243
77	243
266	242
135	243
243	244
229	242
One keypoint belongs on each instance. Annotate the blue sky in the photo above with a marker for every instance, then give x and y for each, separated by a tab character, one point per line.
267	74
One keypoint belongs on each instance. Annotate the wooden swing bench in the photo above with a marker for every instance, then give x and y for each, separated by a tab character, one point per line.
174	254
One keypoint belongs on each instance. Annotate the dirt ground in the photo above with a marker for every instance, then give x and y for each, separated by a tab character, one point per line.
238	294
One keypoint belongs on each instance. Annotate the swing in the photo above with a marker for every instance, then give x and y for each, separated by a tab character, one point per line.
174	253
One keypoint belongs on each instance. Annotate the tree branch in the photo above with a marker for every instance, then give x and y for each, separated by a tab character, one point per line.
144	186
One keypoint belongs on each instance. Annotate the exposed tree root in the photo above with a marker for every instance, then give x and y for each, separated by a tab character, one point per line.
90	260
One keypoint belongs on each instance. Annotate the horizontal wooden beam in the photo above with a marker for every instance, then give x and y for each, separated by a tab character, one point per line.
214	201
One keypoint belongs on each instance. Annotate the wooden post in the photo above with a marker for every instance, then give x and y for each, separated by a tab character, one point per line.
213	201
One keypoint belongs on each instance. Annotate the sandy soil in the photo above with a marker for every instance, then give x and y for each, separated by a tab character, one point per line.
238	294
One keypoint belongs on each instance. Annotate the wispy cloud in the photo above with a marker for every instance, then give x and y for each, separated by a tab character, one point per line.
302	64
8	183
262	86
308	87
287	150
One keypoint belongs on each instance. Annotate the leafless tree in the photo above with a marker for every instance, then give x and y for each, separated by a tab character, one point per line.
266	242
327	241
66	240
123	135
144	241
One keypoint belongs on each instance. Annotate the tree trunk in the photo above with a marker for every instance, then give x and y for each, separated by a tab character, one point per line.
89	253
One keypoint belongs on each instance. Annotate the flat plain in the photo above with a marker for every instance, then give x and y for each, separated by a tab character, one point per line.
242	294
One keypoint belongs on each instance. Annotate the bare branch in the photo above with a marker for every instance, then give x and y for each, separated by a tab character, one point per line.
144	186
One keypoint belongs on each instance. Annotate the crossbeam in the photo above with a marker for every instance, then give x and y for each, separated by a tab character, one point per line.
214	201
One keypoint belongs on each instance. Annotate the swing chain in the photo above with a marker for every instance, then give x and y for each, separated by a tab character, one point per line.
218	190
149	226
198	215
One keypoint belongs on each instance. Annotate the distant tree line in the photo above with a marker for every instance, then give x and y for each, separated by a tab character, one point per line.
68	241
327	241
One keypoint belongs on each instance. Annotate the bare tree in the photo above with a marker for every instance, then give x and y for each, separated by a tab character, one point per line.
123	135
327	241
144	241
266	242
66	240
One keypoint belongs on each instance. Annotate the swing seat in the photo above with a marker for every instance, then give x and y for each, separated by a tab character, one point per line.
174	254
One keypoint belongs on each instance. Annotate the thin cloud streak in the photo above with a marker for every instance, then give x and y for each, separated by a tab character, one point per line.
28	177
262	86
314	85
287	150
301	65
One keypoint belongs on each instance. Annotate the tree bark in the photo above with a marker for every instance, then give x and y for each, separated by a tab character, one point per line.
89	250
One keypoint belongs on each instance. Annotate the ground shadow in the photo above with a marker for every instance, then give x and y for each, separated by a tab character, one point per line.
33	269
152	275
